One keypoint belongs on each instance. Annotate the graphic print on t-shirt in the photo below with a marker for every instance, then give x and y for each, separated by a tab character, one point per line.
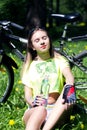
48	74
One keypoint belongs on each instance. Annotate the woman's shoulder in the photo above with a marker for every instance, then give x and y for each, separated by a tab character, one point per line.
61	61
58	56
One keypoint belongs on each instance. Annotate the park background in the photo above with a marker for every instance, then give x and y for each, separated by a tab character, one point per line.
22	11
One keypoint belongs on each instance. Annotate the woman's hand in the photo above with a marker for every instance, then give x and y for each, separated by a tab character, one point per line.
69	94
40	101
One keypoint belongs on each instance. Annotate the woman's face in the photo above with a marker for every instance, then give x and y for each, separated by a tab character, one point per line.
40	41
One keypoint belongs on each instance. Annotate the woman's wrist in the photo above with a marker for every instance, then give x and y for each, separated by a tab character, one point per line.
30	101
68	84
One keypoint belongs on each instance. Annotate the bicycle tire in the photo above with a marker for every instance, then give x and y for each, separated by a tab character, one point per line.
6	81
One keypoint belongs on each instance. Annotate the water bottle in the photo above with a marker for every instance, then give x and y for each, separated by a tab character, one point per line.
45	86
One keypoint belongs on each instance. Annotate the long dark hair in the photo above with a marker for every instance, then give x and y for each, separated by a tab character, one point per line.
29	45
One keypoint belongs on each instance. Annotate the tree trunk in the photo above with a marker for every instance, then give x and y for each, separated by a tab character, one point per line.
57	10
36	15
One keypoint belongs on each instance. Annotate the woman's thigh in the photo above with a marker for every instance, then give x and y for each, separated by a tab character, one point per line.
27	114
33	112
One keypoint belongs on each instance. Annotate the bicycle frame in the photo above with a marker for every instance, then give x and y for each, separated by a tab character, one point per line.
9	37
6	62
74	60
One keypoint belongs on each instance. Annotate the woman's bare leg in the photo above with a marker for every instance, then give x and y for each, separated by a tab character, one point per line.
58	111
35	118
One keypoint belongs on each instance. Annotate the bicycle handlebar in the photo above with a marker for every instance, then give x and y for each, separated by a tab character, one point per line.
17	26
5	24
9	23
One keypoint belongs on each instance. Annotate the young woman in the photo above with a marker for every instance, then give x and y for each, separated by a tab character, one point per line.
44	74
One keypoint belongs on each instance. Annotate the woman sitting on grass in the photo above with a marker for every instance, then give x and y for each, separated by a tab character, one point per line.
44	74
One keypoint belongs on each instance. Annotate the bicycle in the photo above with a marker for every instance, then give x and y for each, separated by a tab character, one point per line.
6	62
74	59
6	37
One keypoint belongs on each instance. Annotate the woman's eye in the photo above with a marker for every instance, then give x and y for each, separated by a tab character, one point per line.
37	40
44	38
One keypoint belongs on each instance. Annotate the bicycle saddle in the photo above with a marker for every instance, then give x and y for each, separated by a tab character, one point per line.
69	18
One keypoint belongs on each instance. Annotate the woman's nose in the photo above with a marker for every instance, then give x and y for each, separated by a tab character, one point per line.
42	43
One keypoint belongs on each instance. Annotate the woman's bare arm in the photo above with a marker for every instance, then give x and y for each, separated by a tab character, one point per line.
68	76
28	95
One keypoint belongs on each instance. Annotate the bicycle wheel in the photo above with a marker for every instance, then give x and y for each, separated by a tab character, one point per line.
6	81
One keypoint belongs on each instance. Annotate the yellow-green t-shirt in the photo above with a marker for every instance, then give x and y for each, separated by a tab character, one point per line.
50	70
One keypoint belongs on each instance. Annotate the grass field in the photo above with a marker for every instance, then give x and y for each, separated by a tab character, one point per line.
12	111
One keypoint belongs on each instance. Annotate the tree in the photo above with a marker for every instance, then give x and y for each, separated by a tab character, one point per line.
13	10
36	14
52	7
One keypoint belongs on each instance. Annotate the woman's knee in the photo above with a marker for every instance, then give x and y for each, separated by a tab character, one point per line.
38	112
25	118
26	115
42	111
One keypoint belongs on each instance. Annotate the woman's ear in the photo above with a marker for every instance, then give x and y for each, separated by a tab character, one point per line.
33	48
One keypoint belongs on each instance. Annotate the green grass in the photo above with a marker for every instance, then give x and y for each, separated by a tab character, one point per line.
14	108
12	111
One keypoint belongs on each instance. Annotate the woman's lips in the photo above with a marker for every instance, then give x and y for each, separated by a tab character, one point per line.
43	46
